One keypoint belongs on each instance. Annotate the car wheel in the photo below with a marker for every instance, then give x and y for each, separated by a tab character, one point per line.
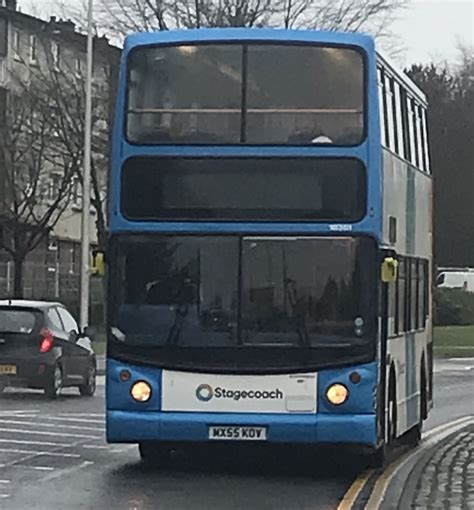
88	389
154	454
55	383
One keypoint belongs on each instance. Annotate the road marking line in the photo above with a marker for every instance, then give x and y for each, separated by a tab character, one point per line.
55	434
354	490
31	452
92	415
18	462
74	420
35	443
20	411
435	435
4	496
440	428
37	468
68	471
50	425
96	447
5	481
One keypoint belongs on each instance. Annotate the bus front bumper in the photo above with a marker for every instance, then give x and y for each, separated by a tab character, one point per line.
322	428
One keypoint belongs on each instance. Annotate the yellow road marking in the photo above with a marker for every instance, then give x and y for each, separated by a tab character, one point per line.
354	490
381	485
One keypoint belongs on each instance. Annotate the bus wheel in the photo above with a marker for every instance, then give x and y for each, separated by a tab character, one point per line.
154	453
414	434
391	427
379	458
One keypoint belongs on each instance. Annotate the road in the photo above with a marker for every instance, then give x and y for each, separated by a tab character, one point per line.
53	456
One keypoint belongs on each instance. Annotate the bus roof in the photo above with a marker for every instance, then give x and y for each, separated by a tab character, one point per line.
248	34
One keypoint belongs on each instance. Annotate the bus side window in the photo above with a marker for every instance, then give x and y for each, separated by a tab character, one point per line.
414	295
401	296
392	309
422	292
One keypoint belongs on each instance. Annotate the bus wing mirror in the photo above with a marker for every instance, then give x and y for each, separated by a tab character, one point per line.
97	263
389	270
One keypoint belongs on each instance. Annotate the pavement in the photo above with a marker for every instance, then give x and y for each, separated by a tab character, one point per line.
439	474
444	478
100	364
53	455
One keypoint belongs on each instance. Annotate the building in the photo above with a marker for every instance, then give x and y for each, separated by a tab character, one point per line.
34	53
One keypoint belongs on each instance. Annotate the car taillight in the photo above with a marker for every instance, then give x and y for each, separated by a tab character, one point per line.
47	340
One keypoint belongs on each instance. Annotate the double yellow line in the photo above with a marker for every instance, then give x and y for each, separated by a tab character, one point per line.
350	497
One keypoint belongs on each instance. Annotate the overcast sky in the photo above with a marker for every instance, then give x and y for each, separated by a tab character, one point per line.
429	30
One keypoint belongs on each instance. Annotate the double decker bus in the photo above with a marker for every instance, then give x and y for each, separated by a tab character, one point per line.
269	265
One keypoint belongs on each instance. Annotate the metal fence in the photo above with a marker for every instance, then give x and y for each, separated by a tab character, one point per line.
52	282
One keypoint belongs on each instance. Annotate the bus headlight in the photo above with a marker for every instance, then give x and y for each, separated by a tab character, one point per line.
337	394
141	391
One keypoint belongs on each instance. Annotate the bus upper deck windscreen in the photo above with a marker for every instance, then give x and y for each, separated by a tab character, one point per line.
283	94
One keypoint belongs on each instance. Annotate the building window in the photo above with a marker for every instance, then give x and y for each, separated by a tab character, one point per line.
33	49
3	37
3	107
54	187
16	42
56	54
78	67
77	193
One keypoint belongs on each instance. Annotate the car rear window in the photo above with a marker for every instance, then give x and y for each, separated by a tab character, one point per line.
17	321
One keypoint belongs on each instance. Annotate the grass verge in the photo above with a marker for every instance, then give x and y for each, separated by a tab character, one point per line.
453	341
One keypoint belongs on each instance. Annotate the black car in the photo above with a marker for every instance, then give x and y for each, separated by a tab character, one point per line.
41	348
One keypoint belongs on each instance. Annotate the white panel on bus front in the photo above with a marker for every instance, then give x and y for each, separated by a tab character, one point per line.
289	393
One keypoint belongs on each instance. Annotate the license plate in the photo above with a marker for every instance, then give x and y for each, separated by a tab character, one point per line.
230	433
8	369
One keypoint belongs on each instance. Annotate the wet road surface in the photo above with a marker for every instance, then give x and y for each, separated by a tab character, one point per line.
53	455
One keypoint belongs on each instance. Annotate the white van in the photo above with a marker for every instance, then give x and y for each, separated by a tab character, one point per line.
456	278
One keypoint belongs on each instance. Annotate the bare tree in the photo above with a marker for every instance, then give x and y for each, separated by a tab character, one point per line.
66	100
120	17
42	134
37	177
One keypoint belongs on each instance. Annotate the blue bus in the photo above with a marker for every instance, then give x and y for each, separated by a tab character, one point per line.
269	264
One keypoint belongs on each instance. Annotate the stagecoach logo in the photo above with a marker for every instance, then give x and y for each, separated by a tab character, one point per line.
205	392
